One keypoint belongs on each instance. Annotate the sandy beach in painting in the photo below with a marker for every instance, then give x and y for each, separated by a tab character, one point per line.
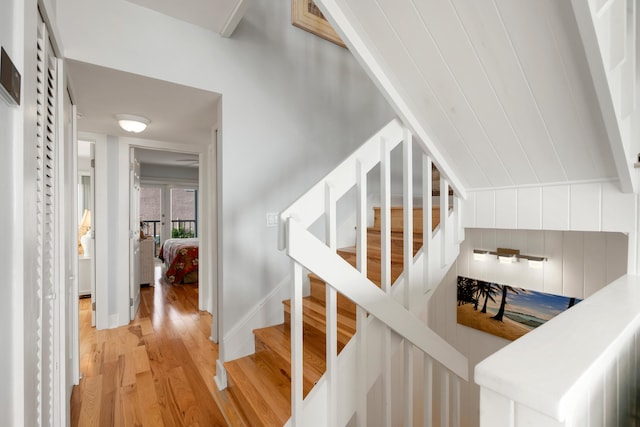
475	319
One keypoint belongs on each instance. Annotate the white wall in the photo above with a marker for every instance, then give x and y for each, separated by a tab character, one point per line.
579	263
293	106
11	26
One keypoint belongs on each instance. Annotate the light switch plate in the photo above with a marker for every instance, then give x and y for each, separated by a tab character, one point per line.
272	219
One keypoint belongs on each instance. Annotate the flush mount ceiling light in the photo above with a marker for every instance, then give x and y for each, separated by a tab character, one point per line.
508	256
131	123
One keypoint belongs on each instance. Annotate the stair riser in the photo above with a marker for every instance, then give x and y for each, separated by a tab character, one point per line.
397	245
318	292
374	268
397	220
320	327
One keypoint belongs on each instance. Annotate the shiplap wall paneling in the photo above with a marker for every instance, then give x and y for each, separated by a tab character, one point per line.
466	252
595	253
532	278
555	207
618	209
485	209
616	256
585	207
506	209
530	208
573	264
553	250
469	210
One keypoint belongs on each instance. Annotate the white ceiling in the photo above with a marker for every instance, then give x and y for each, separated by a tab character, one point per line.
209	14
178	114
501	86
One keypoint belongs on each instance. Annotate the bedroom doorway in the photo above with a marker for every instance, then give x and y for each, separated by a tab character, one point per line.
168	207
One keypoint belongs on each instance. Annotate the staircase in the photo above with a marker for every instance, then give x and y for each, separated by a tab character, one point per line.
308	371
261	382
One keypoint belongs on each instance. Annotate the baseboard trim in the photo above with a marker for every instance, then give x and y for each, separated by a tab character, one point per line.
239	341
221	375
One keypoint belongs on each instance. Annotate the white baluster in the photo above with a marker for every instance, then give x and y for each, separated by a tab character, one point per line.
428	391
331	306
427	217
361	315
407	178
385	269
444	218
296	345
455	408
444	389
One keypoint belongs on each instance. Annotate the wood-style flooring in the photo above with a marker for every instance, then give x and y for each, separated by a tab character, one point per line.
157	371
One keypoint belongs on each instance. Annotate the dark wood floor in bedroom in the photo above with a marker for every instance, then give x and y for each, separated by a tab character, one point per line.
157	371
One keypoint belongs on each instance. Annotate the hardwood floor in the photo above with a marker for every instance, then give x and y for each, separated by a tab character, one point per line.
157	371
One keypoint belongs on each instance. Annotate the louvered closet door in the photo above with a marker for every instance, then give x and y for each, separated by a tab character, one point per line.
46	209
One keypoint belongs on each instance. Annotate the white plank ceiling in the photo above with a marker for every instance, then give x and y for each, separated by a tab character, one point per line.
502	86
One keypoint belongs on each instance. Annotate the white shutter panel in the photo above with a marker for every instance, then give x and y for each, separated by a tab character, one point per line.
46	144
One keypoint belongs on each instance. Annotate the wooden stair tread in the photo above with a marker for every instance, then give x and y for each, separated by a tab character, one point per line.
277	339
260	390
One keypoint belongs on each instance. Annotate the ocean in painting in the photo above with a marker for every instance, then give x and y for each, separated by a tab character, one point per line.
506	310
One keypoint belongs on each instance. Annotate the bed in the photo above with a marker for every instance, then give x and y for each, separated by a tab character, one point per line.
180	257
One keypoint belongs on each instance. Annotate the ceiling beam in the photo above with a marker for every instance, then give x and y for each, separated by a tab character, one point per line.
234	18
619	139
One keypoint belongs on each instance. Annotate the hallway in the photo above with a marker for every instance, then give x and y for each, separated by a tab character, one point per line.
156	371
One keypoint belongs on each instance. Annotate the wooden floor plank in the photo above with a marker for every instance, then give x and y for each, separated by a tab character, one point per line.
91	401
157	371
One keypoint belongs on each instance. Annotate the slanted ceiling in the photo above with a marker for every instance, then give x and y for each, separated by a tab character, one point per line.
501	86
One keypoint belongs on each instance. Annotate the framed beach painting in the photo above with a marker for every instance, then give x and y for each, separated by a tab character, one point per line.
306	15
506	311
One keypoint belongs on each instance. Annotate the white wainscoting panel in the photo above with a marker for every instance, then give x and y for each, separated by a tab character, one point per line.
485	209
595	250
469	209
585	207
573	264
506	208
616	255
555	207
599	206
553	250
618	209
530	208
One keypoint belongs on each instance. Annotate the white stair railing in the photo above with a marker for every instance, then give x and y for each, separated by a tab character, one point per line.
372	302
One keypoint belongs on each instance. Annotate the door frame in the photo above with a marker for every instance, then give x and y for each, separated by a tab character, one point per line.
207	282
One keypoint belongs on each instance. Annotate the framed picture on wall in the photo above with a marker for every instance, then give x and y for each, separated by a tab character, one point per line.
306	15
504	310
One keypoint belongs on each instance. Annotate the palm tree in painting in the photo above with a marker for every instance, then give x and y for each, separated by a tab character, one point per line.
490	291
478	290
505	290
466	290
